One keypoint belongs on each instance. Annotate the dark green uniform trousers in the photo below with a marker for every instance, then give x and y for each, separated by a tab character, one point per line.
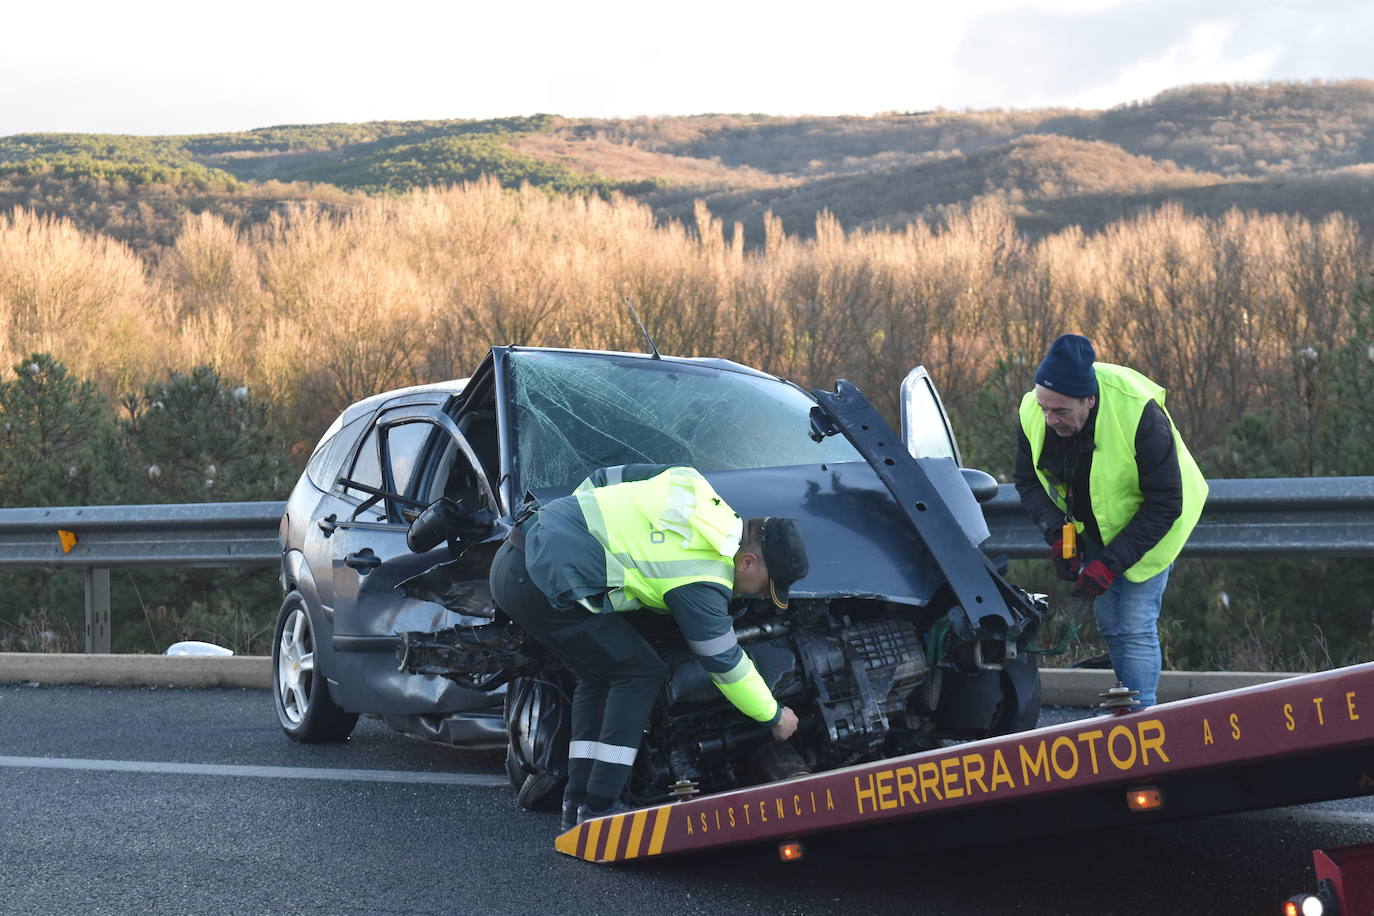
618	677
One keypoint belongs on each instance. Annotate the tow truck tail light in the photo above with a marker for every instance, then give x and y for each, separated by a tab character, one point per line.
791	851
1145	798
1318	904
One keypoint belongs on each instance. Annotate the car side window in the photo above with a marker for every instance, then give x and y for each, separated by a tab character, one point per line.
404	444
465	474
367	469
925	425
324	465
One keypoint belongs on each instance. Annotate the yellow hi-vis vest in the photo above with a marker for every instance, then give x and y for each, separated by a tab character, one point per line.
1114	480
667	531
660	533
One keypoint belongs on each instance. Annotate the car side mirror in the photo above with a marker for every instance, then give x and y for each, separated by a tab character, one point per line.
983	484
447	520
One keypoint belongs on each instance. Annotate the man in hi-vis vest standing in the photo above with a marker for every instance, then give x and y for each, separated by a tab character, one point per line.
1103	472
641	536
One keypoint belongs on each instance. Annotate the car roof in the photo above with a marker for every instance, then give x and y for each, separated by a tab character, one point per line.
367	404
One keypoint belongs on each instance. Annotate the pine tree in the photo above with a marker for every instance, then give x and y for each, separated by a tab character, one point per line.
196	437
57	438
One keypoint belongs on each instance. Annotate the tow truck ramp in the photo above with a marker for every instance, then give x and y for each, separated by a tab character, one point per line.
1305	739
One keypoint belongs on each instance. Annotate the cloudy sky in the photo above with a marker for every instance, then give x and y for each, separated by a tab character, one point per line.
169	67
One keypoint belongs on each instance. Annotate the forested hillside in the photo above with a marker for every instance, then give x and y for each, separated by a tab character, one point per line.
1282	148
184	315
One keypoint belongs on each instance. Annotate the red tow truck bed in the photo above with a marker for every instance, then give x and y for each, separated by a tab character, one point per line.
1304	739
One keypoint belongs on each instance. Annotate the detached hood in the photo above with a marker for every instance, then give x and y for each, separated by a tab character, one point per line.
858	541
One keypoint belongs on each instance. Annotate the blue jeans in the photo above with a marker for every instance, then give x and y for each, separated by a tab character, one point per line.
1128	621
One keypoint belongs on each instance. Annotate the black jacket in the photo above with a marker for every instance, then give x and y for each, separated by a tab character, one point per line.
1070	461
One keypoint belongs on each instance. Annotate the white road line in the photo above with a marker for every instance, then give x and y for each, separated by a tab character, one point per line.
211	769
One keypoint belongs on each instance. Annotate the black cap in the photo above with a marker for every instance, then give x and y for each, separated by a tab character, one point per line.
1068	367
784	553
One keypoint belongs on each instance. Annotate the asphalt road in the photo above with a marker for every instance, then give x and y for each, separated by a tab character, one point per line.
191	801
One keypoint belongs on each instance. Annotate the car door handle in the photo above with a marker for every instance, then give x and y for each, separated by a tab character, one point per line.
328	524
364	560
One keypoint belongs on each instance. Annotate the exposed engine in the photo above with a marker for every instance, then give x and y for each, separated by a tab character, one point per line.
861	674
855	683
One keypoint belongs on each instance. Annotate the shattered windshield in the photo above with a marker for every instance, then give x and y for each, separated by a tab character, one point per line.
576	412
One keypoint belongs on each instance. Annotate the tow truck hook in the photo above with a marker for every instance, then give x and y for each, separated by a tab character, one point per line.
1118	700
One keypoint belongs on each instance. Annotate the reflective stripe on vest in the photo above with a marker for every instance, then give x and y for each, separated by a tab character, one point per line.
1114	480
743	686
709	648
661	533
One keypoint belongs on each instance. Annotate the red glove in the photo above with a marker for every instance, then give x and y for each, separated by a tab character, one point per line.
1064	569
1095	580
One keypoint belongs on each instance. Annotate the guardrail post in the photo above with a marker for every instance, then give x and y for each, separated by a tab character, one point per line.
97	610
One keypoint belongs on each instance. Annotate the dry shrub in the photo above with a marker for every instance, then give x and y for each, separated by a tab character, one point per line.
82	296
320	306
210	277
1215	308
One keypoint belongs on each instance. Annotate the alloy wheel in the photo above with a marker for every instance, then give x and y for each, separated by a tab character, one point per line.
296	666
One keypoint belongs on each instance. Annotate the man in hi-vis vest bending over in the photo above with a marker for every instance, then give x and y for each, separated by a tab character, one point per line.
641	536
1103	472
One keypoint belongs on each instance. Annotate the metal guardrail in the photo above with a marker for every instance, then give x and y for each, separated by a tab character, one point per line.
1319	516
1279	516
181	534
97	539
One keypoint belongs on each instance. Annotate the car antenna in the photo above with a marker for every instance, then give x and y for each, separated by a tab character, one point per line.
645	331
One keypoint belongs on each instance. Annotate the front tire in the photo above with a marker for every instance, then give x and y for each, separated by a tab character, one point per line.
538	726
514	772
305	709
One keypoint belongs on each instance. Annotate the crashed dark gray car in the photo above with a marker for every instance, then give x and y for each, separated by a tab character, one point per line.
903	636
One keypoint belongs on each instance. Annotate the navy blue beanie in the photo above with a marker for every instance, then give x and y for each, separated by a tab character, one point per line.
1068	367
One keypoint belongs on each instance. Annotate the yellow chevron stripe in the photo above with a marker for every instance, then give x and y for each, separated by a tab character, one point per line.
636	833
662	816
567	842
593	833
613	838
583	841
